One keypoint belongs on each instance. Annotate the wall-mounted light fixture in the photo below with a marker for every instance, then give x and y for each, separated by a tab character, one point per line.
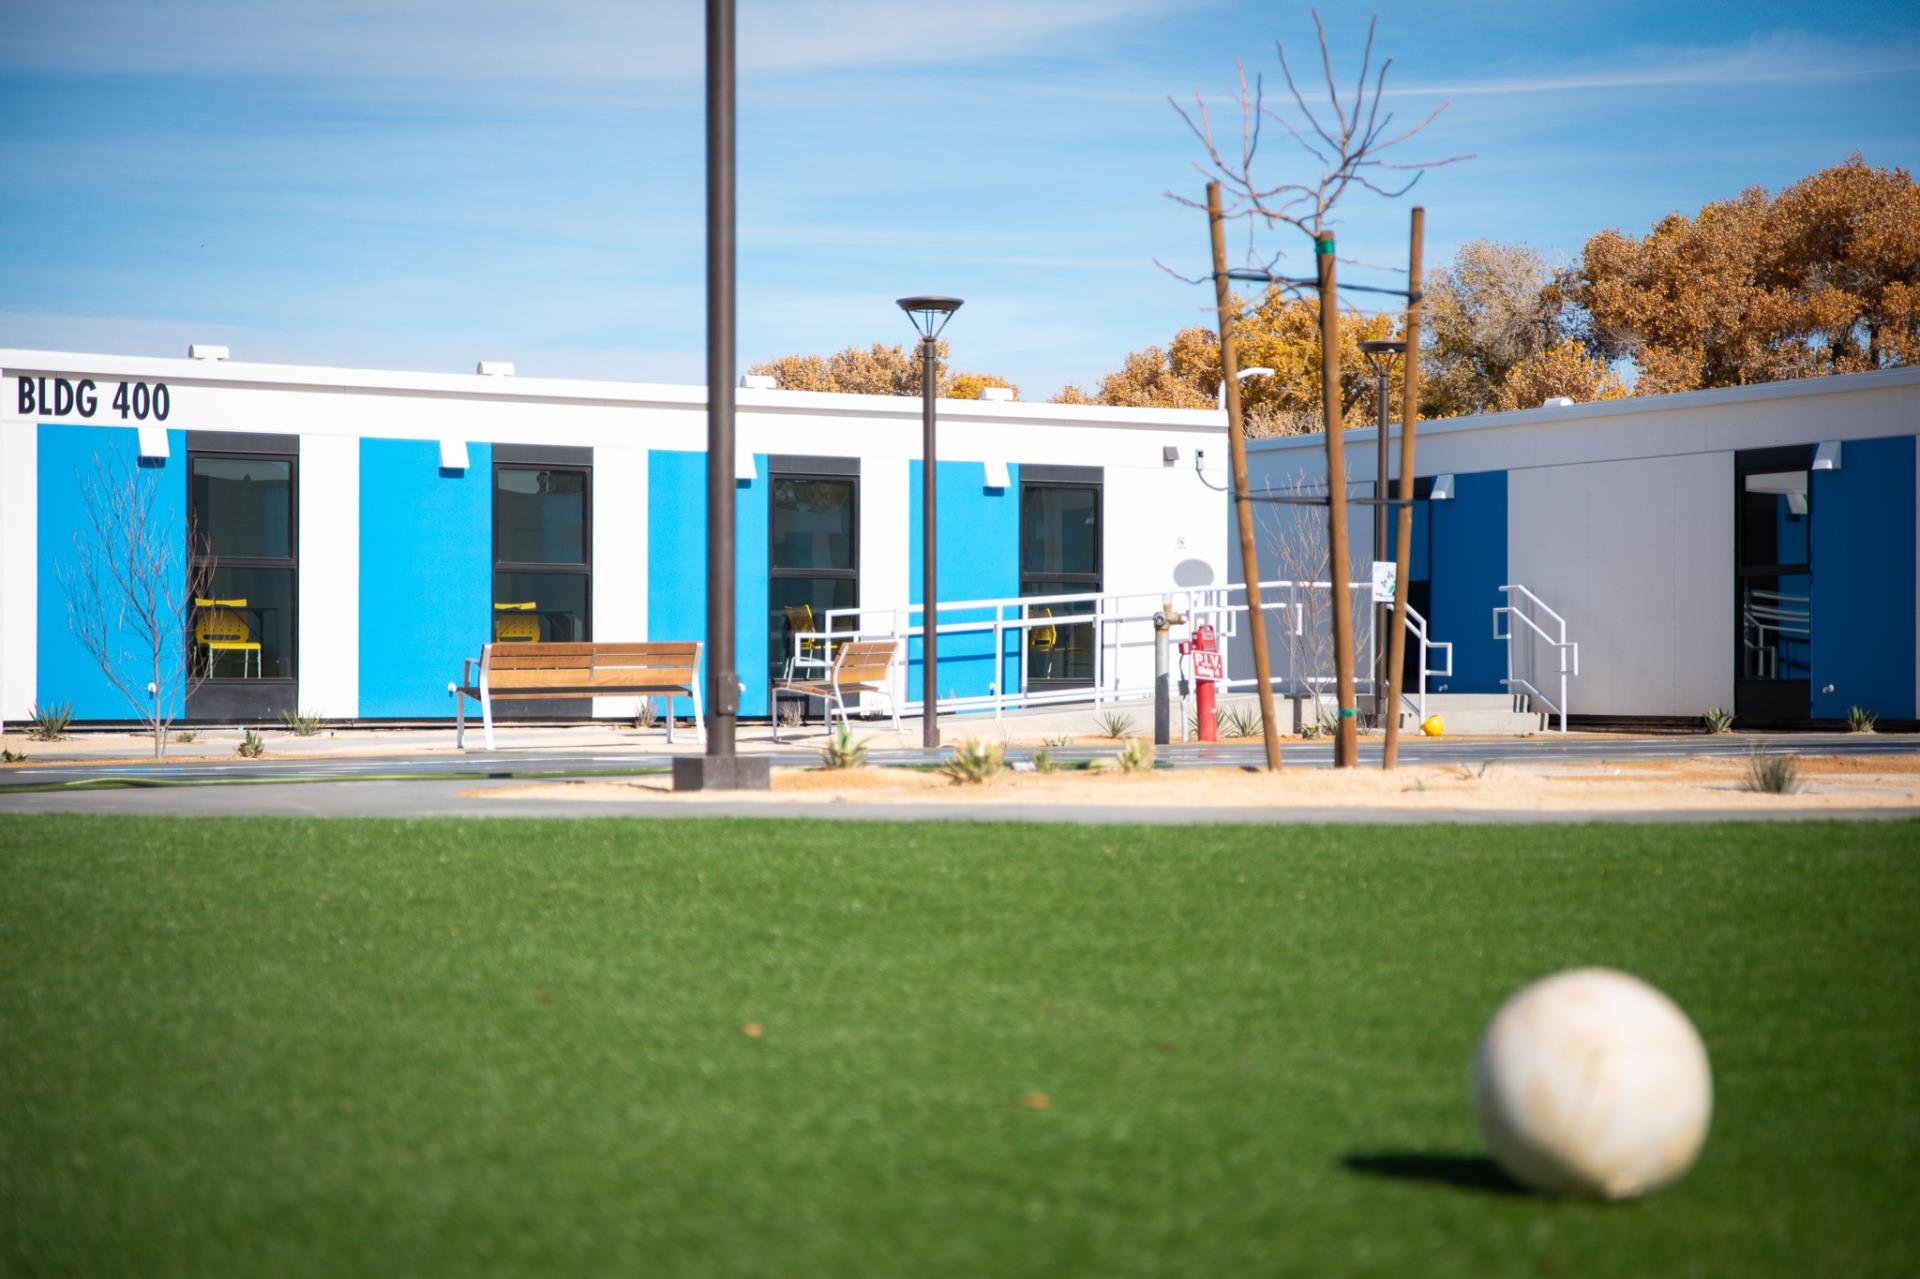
998	476
1826	456
1442	489
1169	455
153	443
453	455
743	467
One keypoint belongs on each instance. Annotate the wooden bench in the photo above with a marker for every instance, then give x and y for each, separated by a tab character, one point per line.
859	666
526	671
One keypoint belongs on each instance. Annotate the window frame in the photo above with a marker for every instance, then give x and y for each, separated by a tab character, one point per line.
1096	579
290	562
569	568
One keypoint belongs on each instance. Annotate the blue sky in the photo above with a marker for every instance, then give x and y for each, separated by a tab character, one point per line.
421	185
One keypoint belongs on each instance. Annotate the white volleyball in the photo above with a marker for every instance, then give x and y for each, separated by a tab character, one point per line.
1591	1082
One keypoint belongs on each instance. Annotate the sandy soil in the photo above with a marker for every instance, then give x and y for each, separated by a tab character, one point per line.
1690	785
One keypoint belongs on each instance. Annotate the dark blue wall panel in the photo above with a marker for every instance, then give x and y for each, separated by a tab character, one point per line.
979	559
1467	555
1863	580
426	574
677	564
70	456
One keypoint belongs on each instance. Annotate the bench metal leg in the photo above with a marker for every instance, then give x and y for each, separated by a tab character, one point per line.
699	719
774	706
459	720
486	714
669	700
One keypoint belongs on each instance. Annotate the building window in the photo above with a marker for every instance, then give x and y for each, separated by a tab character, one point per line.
1060	539
243	515
812	562
1774	580
542	554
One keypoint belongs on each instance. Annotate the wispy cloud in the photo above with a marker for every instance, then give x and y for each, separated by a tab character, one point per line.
462	39
1774	59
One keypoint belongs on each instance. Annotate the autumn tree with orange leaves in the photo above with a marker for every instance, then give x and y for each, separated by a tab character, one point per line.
876	370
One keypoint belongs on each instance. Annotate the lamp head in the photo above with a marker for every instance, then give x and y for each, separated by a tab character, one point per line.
930	314
1380	355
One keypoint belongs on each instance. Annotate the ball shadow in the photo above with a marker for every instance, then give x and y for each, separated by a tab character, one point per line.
1463	1172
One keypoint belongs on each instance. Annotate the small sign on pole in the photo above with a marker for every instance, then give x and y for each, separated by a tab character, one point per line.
1383	581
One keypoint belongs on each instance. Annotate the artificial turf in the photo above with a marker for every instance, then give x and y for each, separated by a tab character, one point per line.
275	1047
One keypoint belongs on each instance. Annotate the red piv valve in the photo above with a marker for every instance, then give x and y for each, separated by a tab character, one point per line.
1209	666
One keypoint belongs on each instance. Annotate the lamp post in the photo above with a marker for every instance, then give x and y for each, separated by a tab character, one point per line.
1379	357
929	316
1242	375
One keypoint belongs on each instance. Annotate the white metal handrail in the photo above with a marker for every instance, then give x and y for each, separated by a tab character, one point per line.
1566	651
1118	621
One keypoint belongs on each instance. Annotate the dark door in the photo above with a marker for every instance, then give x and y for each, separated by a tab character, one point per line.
242	633
813	559
1773	584
542	560
1060	539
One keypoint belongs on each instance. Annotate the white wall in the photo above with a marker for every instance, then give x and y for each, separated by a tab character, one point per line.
329	576
886	541
19	565
1638	557
619	500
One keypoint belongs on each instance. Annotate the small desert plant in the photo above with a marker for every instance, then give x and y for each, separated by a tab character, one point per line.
975	761
1044	762
843	752
1772	774
300	725
1193	723
186	735
49	724
1718	721
1135	757
1114	724
252	746
1860	719
12	757
1242	719
1057	741
648	714
1311	730
793	713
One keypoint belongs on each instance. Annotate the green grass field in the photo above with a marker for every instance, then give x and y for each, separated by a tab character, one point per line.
451	1048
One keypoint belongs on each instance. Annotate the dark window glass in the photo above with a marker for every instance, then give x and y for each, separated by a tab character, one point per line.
540	607
1059	531
1774	519
244	506
1059	555
812	523
245	629
1776	627
540	516
801	604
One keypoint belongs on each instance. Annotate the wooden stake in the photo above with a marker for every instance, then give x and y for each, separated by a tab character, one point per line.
1346	742
1237	455
1403	540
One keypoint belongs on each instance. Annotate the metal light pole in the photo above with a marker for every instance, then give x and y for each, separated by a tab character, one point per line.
720	768
1380	359
929	316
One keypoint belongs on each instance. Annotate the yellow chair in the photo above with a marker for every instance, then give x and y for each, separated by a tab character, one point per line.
516	623
219	627
810	652
1043	639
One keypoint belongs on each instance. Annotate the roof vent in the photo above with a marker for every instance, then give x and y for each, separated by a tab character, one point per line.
1559	402
996	393
758	382
201	351
493	368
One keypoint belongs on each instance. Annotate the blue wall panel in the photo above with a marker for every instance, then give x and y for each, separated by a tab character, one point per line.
1863	589
1467	557
677	564
426	574
979	550
70	457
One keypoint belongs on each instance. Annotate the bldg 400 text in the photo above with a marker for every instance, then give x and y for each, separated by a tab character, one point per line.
63	397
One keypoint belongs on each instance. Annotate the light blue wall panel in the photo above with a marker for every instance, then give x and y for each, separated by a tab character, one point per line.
70	456
1863	584
426	574
979	550
677	564
1467	558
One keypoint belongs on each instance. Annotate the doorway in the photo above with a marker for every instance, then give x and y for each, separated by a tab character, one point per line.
1773	584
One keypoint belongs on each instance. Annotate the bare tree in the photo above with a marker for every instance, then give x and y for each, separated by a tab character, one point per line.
1348	139
129	587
